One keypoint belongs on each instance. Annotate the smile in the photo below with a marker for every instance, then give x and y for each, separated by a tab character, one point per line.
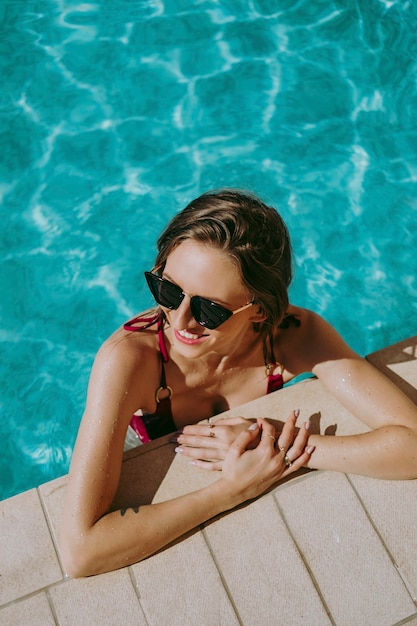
189	338
187	335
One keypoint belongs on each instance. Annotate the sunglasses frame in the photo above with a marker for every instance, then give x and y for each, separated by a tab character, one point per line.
196	302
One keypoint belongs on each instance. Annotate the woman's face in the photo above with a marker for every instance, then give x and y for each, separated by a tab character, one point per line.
201	270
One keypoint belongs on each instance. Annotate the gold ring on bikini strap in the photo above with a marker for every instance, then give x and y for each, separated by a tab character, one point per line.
158	391
269	367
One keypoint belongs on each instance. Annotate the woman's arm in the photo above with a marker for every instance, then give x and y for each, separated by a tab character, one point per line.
94	540
389	450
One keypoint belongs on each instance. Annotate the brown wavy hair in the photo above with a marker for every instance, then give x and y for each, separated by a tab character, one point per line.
253	234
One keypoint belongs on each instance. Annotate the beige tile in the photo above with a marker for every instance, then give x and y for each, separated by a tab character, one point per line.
182	585
356	577
263	569
392	505
143	471
183	478
33	611
102	600
28	560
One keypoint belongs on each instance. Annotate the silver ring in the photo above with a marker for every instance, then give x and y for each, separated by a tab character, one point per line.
287	461
273	438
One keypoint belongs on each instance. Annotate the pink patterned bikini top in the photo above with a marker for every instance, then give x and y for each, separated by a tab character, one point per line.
149	426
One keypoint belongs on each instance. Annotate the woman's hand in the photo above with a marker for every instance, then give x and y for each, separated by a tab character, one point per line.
249	473
207	444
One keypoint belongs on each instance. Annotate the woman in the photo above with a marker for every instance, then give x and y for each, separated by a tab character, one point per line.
224	334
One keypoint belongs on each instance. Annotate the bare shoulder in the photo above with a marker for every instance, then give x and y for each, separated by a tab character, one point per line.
307	339
126	367
314	345
128	347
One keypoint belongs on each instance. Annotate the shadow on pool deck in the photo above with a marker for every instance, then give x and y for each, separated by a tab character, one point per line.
321	548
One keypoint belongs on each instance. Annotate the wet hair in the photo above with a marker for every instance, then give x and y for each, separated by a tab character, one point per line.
252	234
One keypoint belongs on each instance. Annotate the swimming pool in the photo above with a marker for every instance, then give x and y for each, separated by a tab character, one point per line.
116	114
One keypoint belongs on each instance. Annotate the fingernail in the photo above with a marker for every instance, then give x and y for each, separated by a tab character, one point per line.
253	426
310	449
296	412
307	425
193	463
179	450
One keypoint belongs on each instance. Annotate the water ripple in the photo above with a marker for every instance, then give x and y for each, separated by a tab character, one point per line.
116	114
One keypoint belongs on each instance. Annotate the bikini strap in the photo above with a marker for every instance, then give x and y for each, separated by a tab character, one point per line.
275	381
140	323
145	323
161	340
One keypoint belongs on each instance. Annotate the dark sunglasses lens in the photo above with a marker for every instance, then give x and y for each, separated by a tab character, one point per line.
207	313
165	293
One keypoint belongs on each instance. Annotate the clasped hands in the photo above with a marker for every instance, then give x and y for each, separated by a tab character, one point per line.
239	445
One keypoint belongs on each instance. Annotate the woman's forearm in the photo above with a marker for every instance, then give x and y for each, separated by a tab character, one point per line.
389	452
124	537
127	536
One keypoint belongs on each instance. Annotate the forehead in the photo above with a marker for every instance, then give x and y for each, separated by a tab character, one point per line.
201	269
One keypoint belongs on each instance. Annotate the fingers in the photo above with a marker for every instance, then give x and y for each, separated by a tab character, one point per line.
203	454
189	433
211	466
287	436
204	436
245	438
209	452
203	430
268	434
298	462
212	442
213	439
298	451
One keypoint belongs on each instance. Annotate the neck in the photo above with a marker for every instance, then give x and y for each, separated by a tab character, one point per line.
245	351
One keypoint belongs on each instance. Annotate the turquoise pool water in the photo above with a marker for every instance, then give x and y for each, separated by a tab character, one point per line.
115	114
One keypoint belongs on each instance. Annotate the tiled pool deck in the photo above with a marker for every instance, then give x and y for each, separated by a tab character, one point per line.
322	548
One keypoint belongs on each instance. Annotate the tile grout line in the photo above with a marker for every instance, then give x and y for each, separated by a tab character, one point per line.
134	583
34	593
52	606
222	578
51	533
405	582
304	560
406	620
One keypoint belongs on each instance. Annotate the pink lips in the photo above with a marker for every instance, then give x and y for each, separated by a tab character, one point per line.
189	340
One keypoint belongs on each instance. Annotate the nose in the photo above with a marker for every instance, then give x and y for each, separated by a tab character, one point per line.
183	315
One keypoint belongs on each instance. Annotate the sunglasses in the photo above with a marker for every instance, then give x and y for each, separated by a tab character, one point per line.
205	312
